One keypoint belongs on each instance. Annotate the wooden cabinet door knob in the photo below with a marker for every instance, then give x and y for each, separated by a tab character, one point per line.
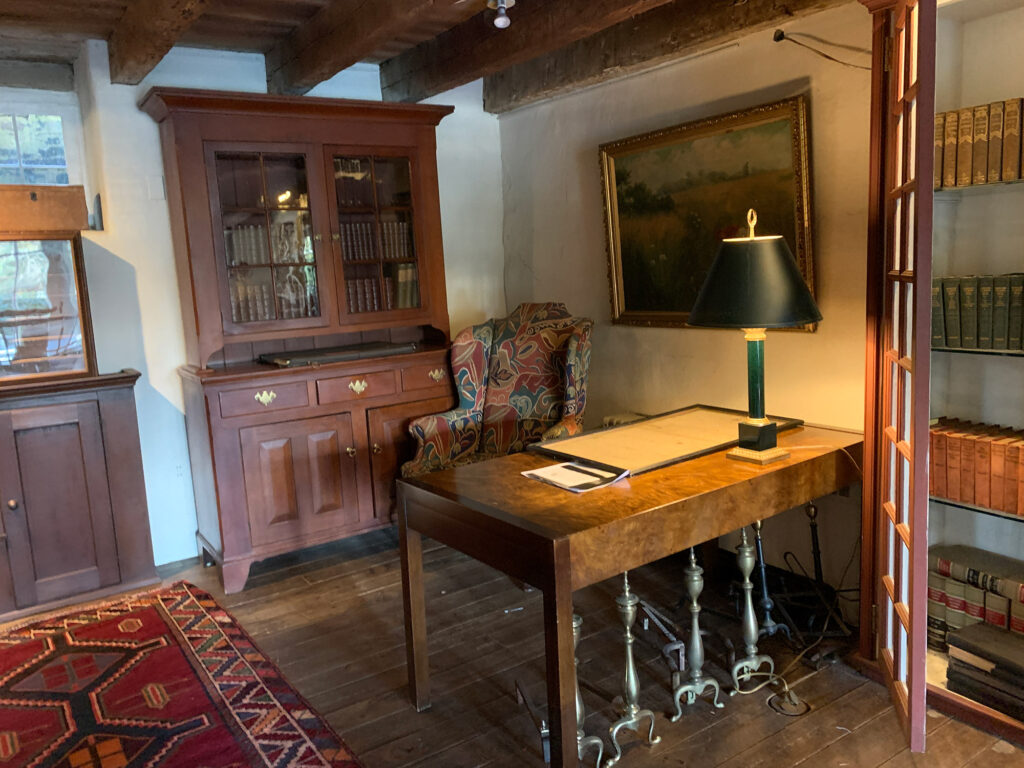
377	450
12	504
351	451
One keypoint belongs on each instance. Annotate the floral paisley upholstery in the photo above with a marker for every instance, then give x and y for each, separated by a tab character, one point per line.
520	379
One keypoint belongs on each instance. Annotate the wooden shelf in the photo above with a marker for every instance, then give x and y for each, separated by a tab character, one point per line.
963	708
972	351
974	508
973	189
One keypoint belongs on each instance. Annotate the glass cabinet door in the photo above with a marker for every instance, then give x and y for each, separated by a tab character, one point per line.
373	198
267	245
41	332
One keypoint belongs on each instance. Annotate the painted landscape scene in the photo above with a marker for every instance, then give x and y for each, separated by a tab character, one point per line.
678	201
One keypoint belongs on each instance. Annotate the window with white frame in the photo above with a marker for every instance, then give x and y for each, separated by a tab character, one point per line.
32	149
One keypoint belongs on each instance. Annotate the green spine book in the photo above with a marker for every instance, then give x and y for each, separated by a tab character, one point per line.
965	148
1016	311
938	318
995	141
940	138
979	174
951	309
1011	139
985	312
969	312
949	150
1000	312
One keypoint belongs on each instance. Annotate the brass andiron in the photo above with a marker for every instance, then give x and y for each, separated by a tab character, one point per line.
743	669
632	715
698	683
583	742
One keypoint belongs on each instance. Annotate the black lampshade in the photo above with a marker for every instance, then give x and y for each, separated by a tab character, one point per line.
754	283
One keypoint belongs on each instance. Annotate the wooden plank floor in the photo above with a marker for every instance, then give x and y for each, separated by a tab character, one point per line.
331	618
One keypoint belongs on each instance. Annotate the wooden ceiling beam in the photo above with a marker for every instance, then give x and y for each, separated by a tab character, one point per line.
476	48
340	35
680	28
146	32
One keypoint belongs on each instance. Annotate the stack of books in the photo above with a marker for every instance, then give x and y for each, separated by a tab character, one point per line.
977	464
978	311
987	665
978	145
970	586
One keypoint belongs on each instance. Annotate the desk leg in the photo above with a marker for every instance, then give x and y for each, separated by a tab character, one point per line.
411	546
561	667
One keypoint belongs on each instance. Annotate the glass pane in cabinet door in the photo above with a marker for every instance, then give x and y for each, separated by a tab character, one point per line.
393	181
353	182
396	238
251	292
295	289
239	180
286	181
291	238
358	232
40	324
245	239
363	289
401	285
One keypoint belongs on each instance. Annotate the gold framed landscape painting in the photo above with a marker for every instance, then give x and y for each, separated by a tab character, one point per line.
672	195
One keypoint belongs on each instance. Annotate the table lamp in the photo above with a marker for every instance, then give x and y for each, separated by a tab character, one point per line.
754	284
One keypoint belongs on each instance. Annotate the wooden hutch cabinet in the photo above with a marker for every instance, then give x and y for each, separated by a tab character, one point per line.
308	247
73	520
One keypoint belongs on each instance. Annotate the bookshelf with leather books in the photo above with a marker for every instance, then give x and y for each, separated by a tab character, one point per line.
307	240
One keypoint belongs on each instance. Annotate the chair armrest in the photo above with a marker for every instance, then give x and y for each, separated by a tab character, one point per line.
441	439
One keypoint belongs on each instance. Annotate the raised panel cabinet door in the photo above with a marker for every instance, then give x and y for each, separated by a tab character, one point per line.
56	511
391	446
300	477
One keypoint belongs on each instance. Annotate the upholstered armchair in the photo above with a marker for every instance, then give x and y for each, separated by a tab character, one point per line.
520	379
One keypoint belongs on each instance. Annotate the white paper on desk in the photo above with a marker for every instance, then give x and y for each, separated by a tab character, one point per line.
575	477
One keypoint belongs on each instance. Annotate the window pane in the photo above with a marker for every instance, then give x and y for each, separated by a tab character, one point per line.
45	176
10	176
41	140
8	144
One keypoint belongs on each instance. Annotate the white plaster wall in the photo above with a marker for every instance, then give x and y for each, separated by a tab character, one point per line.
978	232
555	241
130	264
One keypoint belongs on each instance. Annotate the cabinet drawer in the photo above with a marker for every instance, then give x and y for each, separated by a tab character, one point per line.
240	402
355	387
431	377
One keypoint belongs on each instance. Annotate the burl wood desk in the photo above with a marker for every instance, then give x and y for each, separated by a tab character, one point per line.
559	541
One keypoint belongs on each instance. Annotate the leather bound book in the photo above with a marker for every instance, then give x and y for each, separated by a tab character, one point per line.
951	310
997	471
1002	651
967	453
937	476
1011	139
1012	472
1000	311
1015	313
985	312
940	138
995	141
969	312
983	470
938	318
986	680
954	438
949	146
979	165
997	610
965	148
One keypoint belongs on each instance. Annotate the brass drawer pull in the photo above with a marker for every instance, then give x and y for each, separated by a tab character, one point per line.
266	398
12	504
377	450
351	451
358	386
437	374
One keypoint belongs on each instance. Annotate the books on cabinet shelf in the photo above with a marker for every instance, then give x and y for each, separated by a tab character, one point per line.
978	312
977	464
978	145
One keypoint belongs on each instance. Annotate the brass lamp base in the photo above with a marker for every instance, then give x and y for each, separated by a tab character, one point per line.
766	456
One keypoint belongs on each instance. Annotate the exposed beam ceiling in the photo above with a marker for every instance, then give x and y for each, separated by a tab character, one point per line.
676	29
476	48
340	35
146	32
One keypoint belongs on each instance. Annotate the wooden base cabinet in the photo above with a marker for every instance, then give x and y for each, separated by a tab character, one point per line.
74	518
302	456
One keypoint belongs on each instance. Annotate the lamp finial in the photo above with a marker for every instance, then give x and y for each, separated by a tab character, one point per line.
751	221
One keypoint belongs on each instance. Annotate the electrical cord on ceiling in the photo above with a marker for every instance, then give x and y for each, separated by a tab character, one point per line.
781	36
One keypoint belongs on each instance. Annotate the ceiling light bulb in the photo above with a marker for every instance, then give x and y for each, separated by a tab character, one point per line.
501	19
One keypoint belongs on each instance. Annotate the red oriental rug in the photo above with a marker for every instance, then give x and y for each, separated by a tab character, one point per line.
163	679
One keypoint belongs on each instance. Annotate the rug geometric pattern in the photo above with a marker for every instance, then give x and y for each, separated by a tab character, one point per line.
163	679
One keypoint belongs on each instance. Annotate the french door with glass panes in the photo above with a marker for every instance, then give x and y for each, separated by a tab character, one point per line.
895	521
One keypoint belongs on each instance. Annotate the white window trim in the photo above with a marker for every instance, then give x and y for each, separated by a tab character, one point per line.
30	101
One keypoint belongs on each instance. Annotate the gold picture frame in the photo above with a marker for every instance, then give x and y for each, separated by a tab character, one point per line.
672	195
